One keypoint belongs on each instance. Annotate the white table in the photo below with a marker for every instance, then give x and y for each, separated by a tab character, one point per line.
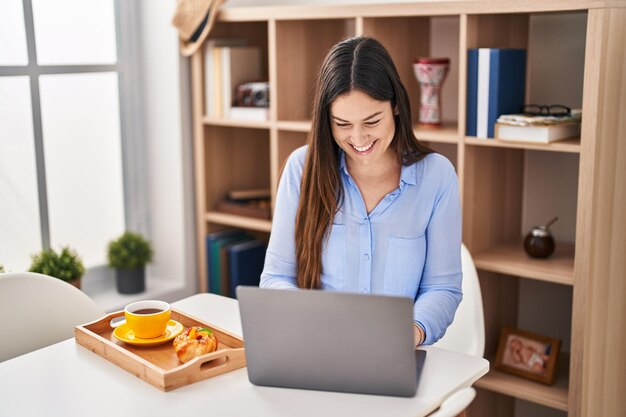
66	379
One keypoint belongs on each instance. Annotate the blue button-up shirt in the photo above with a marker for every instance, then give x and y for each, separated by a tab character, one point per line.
408	245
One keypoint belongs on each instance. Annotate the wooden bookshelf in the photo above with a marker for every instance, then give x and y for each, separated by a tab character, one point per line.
293	39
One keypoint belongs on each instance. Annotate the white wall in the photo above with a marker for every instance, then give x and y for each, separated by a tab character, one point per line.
169	168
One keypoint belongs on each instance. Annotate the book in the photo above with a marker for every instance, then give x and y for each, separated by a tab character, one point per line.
537	133
253	114
259	209
210	102
218	85
482	91
224	266
239	64
215	284
249	194
246	264
472	91
496	86
209	240
540	120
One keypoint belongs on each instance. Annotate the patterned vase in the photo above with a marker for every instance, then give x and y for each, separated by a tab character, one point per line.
430	73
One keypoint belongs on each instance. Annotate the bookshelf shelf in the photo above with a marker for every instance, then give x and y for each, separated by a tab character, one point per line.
243	222
448	133
213	121
294	125
426	8
511	259
566	145
554	396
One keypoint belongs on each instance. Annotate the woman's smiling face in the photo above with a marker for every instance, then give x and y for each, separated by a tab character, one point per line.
363	127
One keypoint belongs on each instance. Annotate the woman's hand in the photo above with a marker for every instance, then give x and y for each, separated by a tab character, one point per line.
418	334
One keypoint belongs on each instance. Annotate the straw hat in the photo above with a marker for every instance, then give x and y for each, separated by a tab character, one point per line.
193	20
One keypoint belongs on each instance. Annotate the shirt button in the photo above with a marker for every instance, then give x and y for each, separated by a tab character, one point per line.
364	291
366	220
391	197
366	257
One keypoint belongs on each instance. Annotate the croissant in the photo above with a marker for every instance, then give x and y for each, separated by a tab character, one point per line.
194	342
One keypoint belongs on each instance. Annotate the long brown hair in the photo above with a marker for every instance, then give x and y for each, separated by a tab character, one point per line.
362	64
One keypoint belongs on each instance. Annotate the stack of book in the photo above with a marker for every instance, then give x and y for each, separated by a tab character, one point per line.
229	63
538	129
233	258
495	86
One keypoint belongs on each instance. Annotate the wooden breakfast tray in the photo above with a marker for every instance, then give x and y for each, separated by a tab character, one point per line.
159	365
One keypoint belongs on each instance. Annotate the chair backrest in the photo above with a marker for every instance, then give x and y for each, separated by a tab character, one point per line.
466	334
41	310
454	405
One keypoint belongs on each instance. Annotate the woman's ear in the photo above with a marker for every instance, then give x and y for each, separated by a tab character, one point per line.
395	111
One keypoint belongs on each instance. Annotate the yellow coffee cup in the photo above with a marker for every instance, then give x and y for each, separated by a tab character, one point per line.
148	319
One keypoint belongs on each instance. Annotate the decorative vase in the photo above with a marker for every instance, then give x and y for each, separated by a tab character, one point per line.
130	281
430	74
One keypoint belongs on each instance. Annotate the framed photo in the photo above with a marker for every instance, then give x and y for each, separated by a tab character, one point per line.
528	355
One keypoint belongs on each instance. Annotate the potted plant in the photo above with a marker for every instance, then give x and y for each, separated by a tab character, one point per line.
1	268
129	255
66	265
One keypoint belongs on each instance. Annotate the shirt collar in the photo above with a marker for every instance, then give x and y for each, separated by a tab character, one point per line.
408	174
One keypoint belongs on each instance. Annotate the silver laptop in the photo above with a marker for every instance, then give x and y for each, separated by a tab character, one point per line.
330	341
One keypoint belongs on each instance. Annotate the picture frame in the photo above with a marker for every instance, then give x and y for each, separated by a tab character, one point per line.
529	355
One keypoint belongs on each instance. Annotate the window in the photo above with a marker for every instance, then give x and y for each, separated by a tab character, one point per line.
65	143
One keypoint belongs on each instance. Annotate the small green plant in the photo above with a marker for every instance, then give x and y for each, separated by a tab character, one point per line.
1	268
66	265
129	251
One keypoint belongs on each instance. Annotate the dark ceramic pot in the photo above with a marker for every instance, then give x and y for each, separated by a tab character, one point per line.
130	281
539	243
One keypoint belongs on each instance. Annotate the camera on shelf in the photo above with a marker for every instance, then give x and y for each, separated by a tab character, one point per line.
253	94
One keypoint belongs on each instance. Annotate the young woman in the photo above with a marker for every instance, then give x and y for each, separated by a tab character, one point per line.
364	207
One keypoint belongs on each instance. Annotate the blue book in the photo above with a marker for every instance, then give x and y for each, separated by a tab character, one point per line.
210	239
223	266
472	91
495	86
507	84
246	264
215	282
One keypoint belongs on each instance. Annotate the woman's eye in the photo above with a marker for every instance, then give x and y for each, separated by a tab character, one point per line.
372	123
342	124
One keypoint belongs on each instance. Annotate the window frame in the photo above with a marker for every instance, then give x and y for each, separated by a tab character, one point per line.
127	68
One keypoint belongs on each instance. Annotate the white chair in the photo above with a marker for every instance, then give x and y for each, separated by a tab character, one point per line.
39	310
466	334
